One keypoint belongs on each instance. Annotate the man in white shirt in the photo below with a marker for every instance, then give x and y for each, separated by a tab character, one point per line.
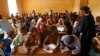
70	44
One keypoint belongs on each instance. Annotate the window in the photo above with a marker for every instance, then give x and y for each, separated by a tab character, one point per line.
12	7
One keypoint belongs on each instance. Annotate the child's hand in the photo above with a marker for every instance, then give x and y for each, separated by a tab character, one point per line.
62	51
22	43
69	52
1	45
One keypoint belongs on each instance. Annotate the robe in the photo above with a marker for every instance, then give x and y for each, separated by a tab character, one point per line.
86	27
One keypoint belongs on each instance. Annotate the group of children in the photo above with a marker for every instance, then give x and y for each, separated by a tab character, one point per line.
30	32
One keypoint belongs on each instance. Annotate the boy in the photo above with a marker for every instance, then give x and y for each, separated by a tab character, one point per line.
20	39
33	41
70	44
8	41
51	41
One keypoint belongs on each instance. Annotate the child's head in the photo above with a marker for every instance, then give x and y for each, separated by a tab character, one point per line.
14	21
70	39
23	30
2	43
97	19
53	30
1	36
34	31
67	40
61	22
43	27
11	34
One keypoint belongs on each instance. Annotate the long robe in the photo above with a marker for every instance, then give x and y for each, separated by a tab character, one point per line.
86	26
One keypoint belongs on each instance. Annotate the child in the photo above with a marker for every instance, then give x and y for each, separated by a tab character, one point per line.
8	41
1	46
14	25
70	44
43	32
33	41
20	38
61	26
52	39
96	46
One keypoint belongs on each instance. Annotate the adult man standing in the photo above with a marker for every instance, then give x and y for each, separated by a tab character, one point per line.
86	28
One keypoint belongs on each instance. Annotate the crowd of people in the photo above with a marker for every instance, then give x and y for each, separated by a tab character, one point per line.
72	33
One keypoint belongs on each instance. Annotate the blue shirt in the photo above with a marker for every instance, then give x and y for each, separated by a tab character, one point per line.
7	48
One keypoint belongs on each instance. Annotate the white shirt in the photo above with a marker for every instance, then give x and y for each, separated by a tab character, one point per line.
19	39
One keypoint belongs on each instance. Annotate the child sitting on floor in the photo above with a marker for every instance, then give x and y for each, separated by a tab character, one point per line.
51	42
8	41
70	44
33	41
20	39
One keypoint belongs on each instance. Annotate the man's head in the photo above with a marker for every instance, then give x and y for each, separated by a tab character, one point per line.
84	10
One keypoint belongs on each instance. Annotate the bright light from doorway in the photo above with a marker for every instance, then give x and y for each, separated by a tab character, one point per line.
12	7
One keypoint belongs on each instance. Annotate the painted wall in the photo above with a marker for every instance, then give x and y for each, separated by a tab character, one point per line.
19	6
4	8
76	6
84	2
46	5
95	7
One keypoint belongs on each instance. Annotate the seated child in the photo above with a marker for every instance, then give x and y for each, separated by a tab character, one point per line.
51	41
43	32
61	27
8	41
70	44
96	45
33	41
20	38
14	25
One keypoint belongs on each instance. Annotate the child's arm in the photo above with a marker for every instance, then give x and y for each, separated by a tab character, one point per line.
45	41
96	43
58	40
39	41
